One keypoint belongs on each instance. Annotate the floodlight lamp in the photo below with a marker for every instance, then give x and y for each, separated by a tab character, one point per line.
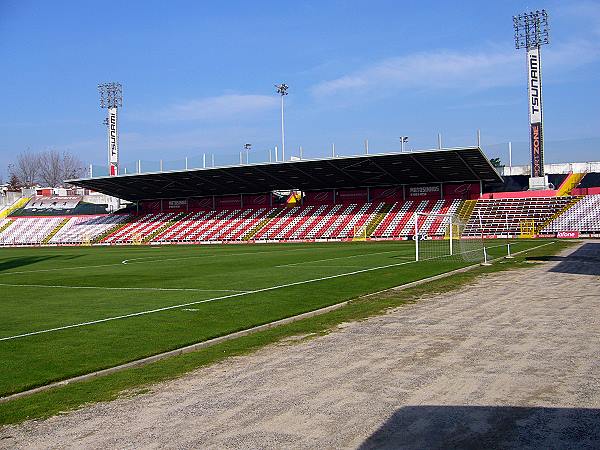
111	95
531	29
282	88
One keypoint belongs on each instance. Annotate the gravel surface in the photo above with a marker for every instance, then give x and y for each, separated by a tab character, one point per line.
511	361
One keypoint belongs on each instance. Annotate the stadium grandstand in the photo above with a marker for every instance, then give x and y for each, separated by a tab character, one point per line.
374	197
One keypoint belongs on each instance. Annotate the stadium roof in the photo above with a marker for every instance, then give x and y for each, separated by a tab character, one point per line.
388	169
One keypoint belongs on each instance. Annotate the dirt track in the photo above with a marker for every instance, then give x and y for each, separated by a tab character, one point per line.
513	361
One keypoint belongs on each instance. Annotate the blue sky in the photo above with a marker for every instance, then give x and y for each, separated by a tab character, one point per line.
199	76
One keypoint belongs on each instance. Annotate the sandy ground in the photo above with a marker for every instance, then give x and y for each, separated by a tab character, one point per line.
513	361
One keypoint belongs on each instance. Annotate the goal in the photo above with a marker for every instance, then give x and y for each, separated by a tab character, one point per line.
527	228
360	233
441	236
86	240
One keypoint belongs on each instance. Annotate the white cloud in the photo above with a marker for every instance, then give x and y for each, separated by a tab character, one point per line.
570	55
456	70
442	69
219	107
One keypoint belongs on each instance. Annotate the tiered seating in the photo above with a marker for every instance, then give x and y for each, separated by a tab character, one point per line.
362	217
506	216
180	231
270	230
139	229
239	230
583	216
286	229
29	230
400	220
321	224
198	229
214	226
327	221
224	221
80	229
307	222
437	225
237	224
338	221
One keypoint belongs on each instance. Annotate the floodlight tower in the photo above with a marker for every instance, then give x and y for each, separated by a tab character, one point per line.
111	98
282	90
403	140
531	32
247	147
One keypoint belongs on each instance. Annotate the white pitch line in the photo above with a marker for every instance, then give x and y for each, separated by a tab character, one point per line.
335	267
208	300
119	288
271	288
337	257
151	259
60	269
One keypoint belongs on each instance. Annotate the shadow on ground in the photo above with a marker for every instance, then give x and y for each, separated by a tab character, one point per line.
16	263
489	427
585	260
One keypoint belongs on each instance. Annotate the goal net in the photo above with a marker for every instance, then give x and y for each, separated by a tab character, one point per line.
86	240
441	236
136	239
360	233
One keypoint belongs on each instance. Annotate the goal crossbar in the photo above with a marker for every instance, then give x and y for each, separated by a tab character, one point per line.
442	215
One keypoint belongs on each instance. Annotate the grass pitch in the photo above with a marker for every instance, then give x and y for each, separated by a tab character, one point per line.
70	311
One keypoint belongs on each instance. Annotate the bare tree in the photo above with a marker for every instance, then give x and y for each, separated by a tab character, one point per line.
72	166
27	168
51	168
56	167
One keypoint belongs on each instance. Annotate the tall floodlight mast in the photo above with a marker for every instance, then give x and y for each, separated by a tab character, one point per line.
282	90
531	32
111	98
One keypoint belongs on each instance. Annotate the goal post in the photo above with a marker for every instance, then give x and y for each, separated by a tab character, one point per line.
438	235
527	228
86	240
360	233
423	224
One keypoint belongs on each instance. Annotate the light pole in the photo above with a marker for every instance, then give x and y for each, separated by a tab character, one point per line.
247	147
282	90
111	98
403	140
531	32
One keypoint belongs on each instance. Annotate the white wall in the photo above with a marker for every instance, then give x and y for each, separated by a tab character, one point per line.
587	167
